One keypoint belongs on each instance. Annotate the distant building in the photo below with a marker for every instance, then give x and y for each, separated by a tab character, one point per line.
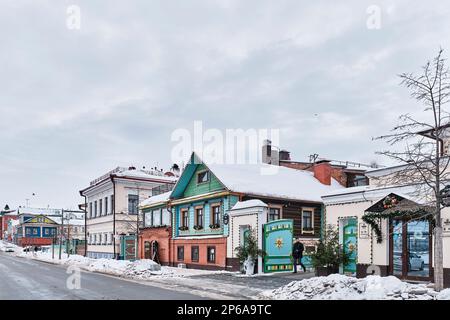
111	203
347	173
37	226
44	226
6	217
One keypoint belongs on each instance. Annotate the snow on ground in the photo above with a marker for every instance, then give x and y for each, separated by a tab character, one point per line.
143	269
340	287
4	245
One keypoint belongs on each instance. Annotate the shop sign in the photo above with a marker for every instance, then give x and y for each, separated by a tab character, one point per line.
363	230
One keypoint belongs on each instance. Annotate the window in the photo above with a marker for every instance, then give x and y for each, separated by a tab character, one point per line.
274	213
203	177
156	214
95	239
106	206
148	219
307	220
100	238
110	238
90	209
215	215
100	206
133	204
211	254
95	208
105	238
199	217
180	253
194	253
112	203
166	217
185	218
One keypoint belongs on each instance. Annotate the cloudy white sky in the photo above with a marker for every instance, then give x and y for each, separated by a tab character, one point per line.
77	103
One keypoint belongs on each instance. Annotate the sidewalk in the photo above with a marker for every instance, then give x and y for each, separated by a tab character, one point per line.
231	285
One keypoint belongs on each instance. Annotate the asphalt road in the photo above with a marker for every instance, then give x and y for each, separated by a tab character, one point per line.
22	279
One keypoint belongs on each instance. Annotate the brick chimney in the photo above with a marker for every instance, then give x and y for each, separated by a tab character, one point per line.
322	171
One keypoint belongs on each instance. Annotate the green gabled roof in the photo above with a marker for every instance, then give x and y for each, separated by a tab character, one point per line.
188	174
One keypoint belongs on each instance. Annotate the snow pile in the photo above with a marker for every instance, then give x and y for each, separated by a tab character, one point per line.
340	287
443	295
144	269
4	245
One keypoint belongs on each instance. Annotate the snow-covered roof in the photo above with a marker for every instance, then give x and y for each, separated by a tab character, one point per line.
38	211
369	193
73	222
163	197
248	204
9	213
272	181
145	175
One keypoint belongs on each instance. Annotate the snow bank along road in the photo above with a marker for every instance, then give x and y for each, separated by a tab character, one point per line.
29	279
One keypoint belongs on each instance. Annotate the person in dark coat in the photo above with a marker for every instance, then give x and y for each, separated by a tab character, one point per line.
297	254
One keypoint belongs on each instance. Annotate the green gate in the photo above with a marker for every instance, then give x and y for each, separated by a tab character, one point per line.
350	245
128	247
278	245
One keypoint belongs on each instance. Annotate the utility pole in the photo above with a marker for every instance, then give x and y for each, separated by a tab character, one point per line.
68	238
61	233
137	225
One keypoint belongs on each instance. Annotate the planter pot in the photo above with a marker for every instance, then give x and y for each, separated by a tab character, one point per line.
326	271
249	266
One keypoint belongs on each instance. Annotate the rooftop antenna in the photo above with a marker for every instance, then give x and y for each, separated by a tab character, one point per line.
313	157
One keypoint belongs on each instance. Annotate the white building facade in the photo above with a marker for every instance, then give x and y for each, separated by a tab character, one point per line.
403	245
112	208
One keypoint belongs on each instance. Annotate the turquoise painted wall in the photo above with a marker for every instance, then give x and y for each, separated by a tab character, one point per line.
227	203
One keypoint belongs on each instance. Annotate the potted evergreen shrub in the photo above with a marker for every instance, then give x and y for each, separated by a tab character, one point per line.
248	253
329	255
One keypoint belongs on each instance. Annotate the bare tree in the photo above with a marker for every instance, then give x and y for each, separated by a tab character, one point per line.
424	164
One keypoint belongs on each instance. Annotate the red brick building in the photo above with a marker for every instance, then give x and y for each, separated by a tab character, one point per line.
162	236
5	217
156	235
194	252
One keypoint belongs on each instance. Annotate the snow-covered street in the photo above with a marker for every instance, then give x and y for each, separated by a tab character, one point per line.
222	284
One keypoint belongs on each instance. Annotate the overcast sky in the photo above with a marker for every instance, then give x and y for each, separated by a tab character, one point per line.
75	103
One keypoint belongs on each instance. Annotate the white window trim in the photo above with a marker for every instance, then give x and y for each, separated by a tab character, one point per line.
312	220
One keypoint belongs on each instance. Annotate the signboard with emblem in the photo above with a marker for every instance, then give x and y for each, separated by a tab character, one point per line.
278	245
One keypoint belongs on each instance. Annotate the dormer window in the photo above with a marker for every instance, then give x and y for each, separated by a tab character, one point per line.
202	177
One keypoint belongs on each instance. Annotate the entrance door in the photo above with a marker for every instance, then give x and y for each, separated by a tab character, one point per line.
128	247
411	249
147	250
350	237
